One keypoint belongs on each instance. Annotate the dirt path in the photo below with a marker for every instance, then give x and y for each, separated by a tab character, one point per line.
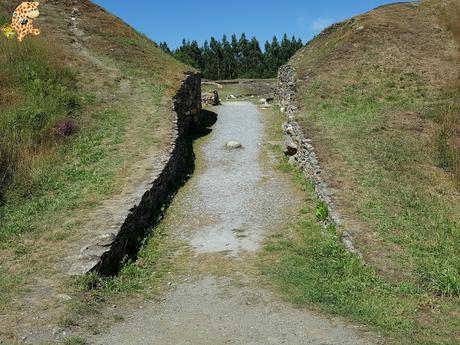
234	200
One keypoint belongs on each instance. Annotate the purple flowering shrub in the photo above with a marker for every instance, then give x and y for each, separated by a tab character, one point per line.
66	128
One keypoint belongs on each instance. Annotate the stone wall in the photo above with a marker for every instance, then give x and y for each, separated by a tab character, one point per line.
124	237
286	89
305	155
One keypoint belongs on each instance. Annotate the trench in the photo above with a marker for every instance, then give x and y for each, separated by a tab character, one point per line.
227	206
234	200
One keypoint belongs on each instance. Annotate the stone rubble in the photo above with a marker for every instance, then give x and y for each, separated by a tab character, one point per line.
211	98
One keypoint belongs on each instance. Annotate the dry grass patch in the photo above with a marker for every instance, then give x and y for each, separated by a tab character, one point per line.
449	134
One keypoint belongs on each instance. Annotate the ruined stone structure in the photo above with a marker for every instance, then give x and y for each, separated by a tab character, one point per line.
304	155
108	247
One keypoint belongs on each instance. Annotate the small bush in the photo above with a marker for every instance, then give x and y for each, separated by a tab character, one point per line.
66	128
67	322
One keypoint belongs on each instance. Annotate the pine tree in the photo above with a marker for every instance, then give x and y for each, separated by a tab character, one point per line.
285	48
208	69
217	58
243	44
236	52
165	48
229	60
238	58
196	54
183	53
254	60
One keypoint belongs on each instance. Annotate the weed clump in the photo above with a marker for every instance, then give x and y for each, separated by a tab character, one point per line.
75	340
321	211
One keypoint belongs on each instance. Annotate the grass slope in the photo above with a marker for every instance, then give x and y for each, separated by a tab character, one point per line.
379	99
112	85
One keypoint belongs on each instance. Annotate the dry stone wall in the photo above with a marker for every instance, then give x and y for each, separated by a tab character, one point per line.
305	155
286	89
123	238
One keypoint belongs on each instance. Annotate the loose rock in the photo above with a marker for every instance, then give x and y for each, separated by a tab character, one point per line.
290	148
59	332
211	98
233	145
292	160
64	297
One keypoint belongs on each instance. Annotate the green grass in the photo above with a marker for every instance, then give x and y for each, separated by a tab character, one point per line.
312	268
146	272
449	119
449	155
48	183
87	168
321	212
75	340
41	94
386	136
396	189
48	215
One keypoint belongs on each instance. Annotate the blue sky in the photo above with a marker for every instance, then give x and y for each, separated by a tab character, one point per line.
173	20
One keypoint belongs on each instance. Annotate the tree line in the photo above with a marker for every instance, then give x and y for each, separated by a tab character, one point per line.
237	57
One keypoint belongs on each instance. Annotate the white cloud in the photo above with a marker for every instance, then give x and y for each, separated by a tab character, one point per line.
321	23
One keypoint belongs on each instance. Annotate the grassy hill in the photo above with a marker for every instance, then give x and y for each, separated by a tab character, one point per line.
379	97
80	106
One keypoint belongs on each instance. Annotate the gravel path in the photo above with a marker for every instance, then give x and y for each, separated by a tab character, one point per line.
232	202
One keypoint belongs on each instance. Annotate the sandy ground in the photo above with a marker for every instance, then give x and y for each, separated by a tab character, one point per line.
233	201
